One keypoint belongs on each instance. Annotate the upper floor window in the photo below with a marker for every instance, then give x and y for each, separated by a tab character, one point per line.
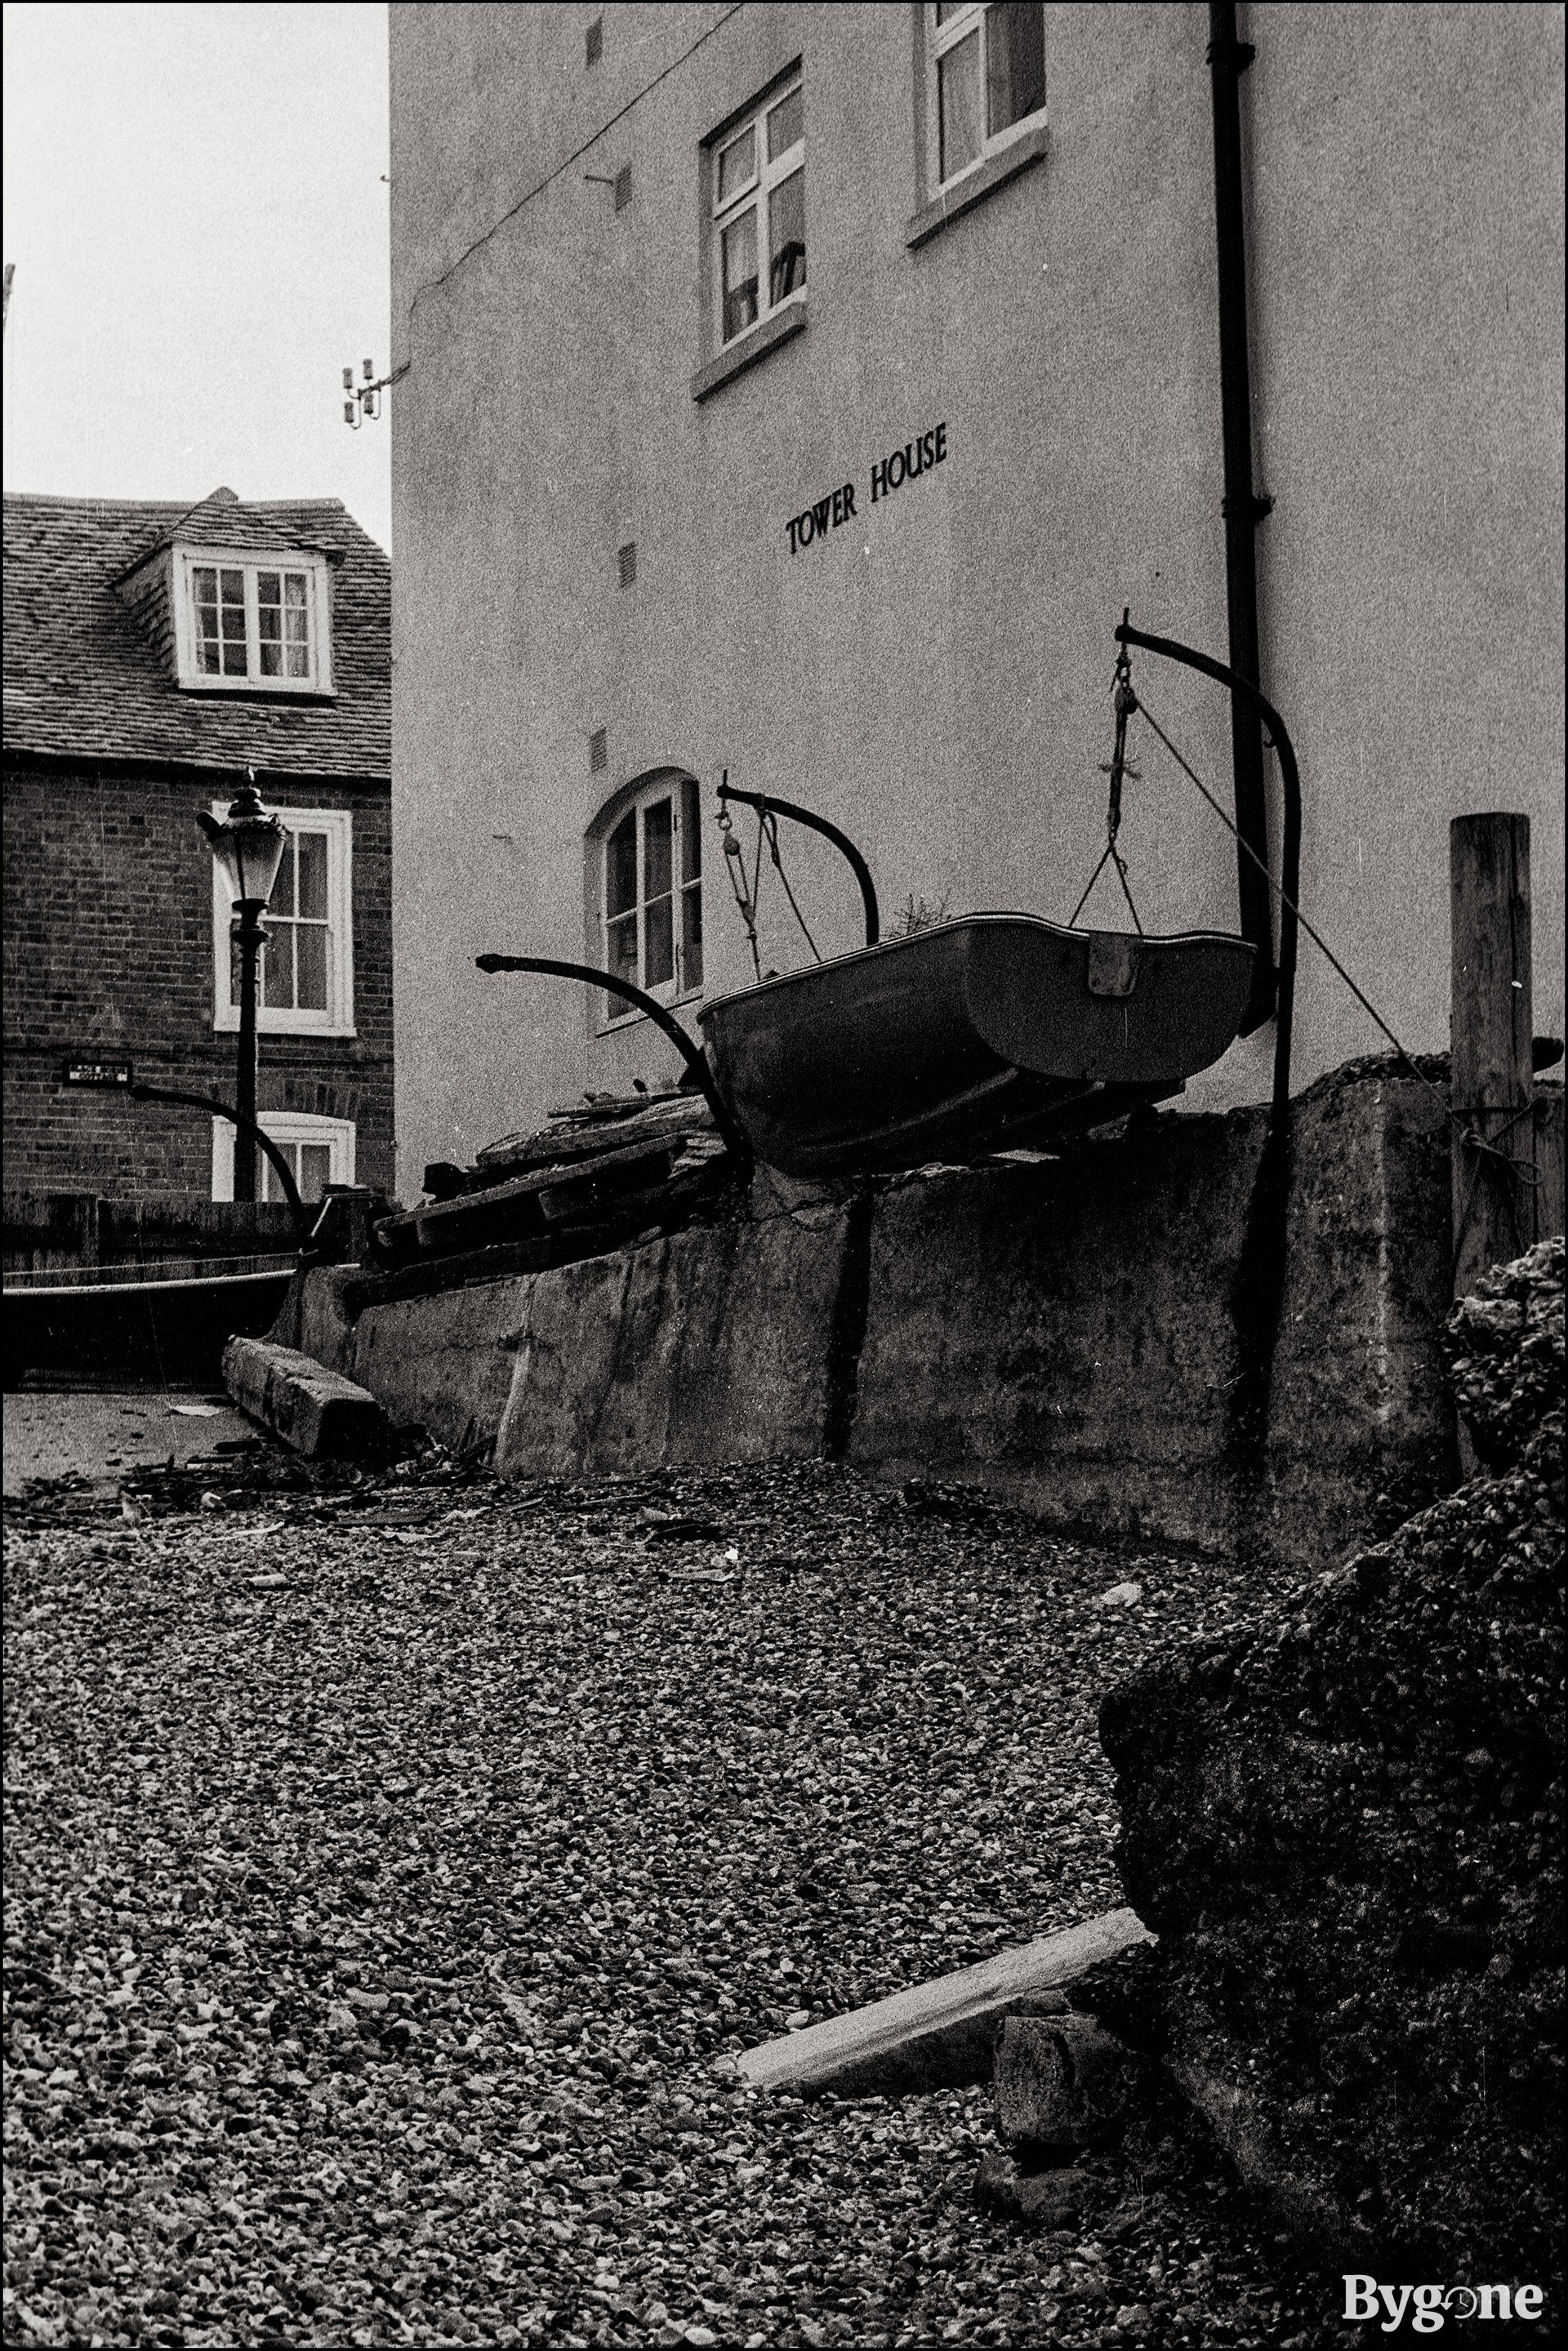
651	898
252	624
307	963
758	187
987	77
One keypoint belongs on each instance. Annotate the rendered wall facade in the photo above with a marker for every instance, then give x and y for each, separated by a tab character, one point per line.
934	675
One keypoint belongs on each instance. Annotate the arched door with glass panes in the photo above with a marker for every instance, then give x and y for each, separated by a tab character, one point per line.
651	893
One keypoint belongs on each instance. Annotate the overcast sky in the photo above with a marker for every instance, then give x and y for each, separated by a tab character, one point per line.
196	211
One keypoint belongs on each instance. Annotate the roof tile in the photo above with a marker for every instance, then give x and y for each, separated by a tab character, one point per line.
86	678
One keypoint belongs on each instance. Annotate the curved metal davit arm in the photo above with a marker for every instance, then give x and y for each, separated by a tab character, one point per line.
841	841
285	1174
696	1059
1289	885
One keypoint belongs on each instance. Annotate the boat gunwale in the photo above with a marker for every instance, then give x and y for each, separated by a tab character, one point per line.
963	923
210	1284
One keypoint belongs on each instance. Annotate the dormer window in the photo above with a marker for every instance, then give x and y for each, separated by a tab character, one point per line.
260	625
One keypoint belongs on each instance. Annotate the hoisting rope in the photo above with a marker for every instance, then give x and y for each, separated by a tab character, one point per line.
747	894
766	817
1484	1147
735	866
1124	701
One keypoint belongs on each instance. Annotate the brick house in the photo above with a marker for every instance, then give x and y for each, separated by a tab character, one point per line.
153	655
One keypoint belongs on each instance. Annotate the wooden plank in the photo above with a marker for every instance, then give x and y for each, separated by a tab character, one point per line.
319	1413
683	1114
588	1186
1494	1204
938	2035
445	1224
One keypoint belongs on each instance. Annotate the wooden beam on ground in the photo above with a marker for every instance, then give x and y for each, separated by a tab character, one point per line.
321	1415
938	2035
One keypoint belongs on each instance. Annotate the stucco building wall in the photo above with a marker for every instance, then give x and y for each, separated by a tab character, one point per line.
933	676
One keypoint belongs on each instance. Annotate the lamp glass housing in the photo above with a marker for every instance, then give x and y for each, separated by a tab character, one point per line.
248	846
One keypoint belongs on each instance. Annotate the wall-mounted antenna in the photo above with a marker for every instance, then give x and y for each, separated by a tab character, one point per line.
366	400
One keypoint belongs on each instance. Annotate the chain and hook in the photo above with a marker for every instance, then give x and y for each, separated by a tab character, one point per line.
735	866
1124	701
747	894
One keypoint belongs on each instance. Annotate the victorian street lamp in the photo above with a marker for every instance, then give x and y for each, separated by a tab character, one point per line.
247	846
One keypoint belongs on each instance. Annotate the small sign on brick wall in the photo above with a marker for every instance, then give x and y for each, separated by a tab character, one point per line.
96	1073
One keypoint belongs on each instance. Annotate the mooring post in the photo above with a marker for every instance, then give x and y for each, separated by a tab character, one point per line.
1493	1087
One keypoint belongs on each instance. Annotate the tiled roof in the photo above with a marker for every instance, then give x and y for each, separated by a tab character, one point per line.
88	676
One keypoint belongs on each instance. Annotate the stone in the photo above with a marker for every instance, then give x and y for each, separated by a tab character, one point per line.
938	2035
1344	1819
1042	2200
1063	2083
1505	1353
319	1413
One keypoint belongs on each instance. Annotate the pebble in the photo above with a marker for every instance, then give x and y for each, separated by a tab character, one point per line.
585	1831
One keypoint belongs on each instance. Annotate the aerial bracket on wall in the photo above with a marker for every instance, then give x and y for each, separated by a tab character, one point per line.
366	401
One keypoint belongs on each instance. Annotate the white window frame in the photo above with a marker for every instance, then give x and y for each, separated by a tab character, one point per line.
669	786
286	1021
939	39
284	1128
319	605
758	191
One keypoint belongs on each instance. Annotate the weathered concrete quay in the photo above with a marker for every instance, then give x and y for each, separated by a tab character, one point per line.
1110	1337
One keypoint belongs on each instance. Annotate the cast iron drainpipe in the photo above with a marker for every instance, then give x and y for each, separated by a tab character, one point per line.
1228	59
696	1059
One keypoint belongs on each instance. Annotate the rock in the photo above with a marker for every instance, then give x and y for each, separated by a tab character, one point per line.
1121	1595
1505	1354
1063	2083
1042	2200
1344	1821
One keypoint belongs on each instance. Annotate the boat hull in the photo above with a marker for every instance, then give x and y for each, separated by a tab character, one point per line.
969	1038
136	1332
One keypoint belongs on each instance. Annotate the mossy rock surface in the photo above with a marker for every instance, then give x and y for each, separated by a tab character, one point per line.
1345	1824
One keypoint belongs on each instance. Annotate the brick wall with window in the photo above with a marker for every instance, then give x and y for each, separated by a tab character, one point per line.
155	655
109	954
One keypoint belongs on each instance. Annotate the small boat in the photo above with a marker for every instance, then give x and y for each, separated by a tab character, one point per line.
975	1035
147	1329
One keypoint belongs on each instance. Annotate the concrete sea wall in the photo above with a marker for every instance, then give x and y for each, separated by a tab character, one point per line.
1161	1333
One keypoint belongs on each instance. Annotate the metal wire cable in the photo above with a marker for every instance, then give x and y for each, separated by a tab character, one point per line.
1311	929
772	824
1482	1146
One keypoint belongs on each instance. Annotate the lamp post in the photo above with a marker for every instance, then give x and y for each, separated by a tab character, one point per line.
247	846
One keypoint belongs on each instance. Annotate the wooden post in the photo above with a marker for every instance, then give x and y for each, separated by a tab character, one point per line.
1493	1087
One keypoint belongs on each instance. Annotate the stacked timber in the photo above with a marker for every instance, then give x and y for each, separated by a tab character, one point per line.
604	1170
